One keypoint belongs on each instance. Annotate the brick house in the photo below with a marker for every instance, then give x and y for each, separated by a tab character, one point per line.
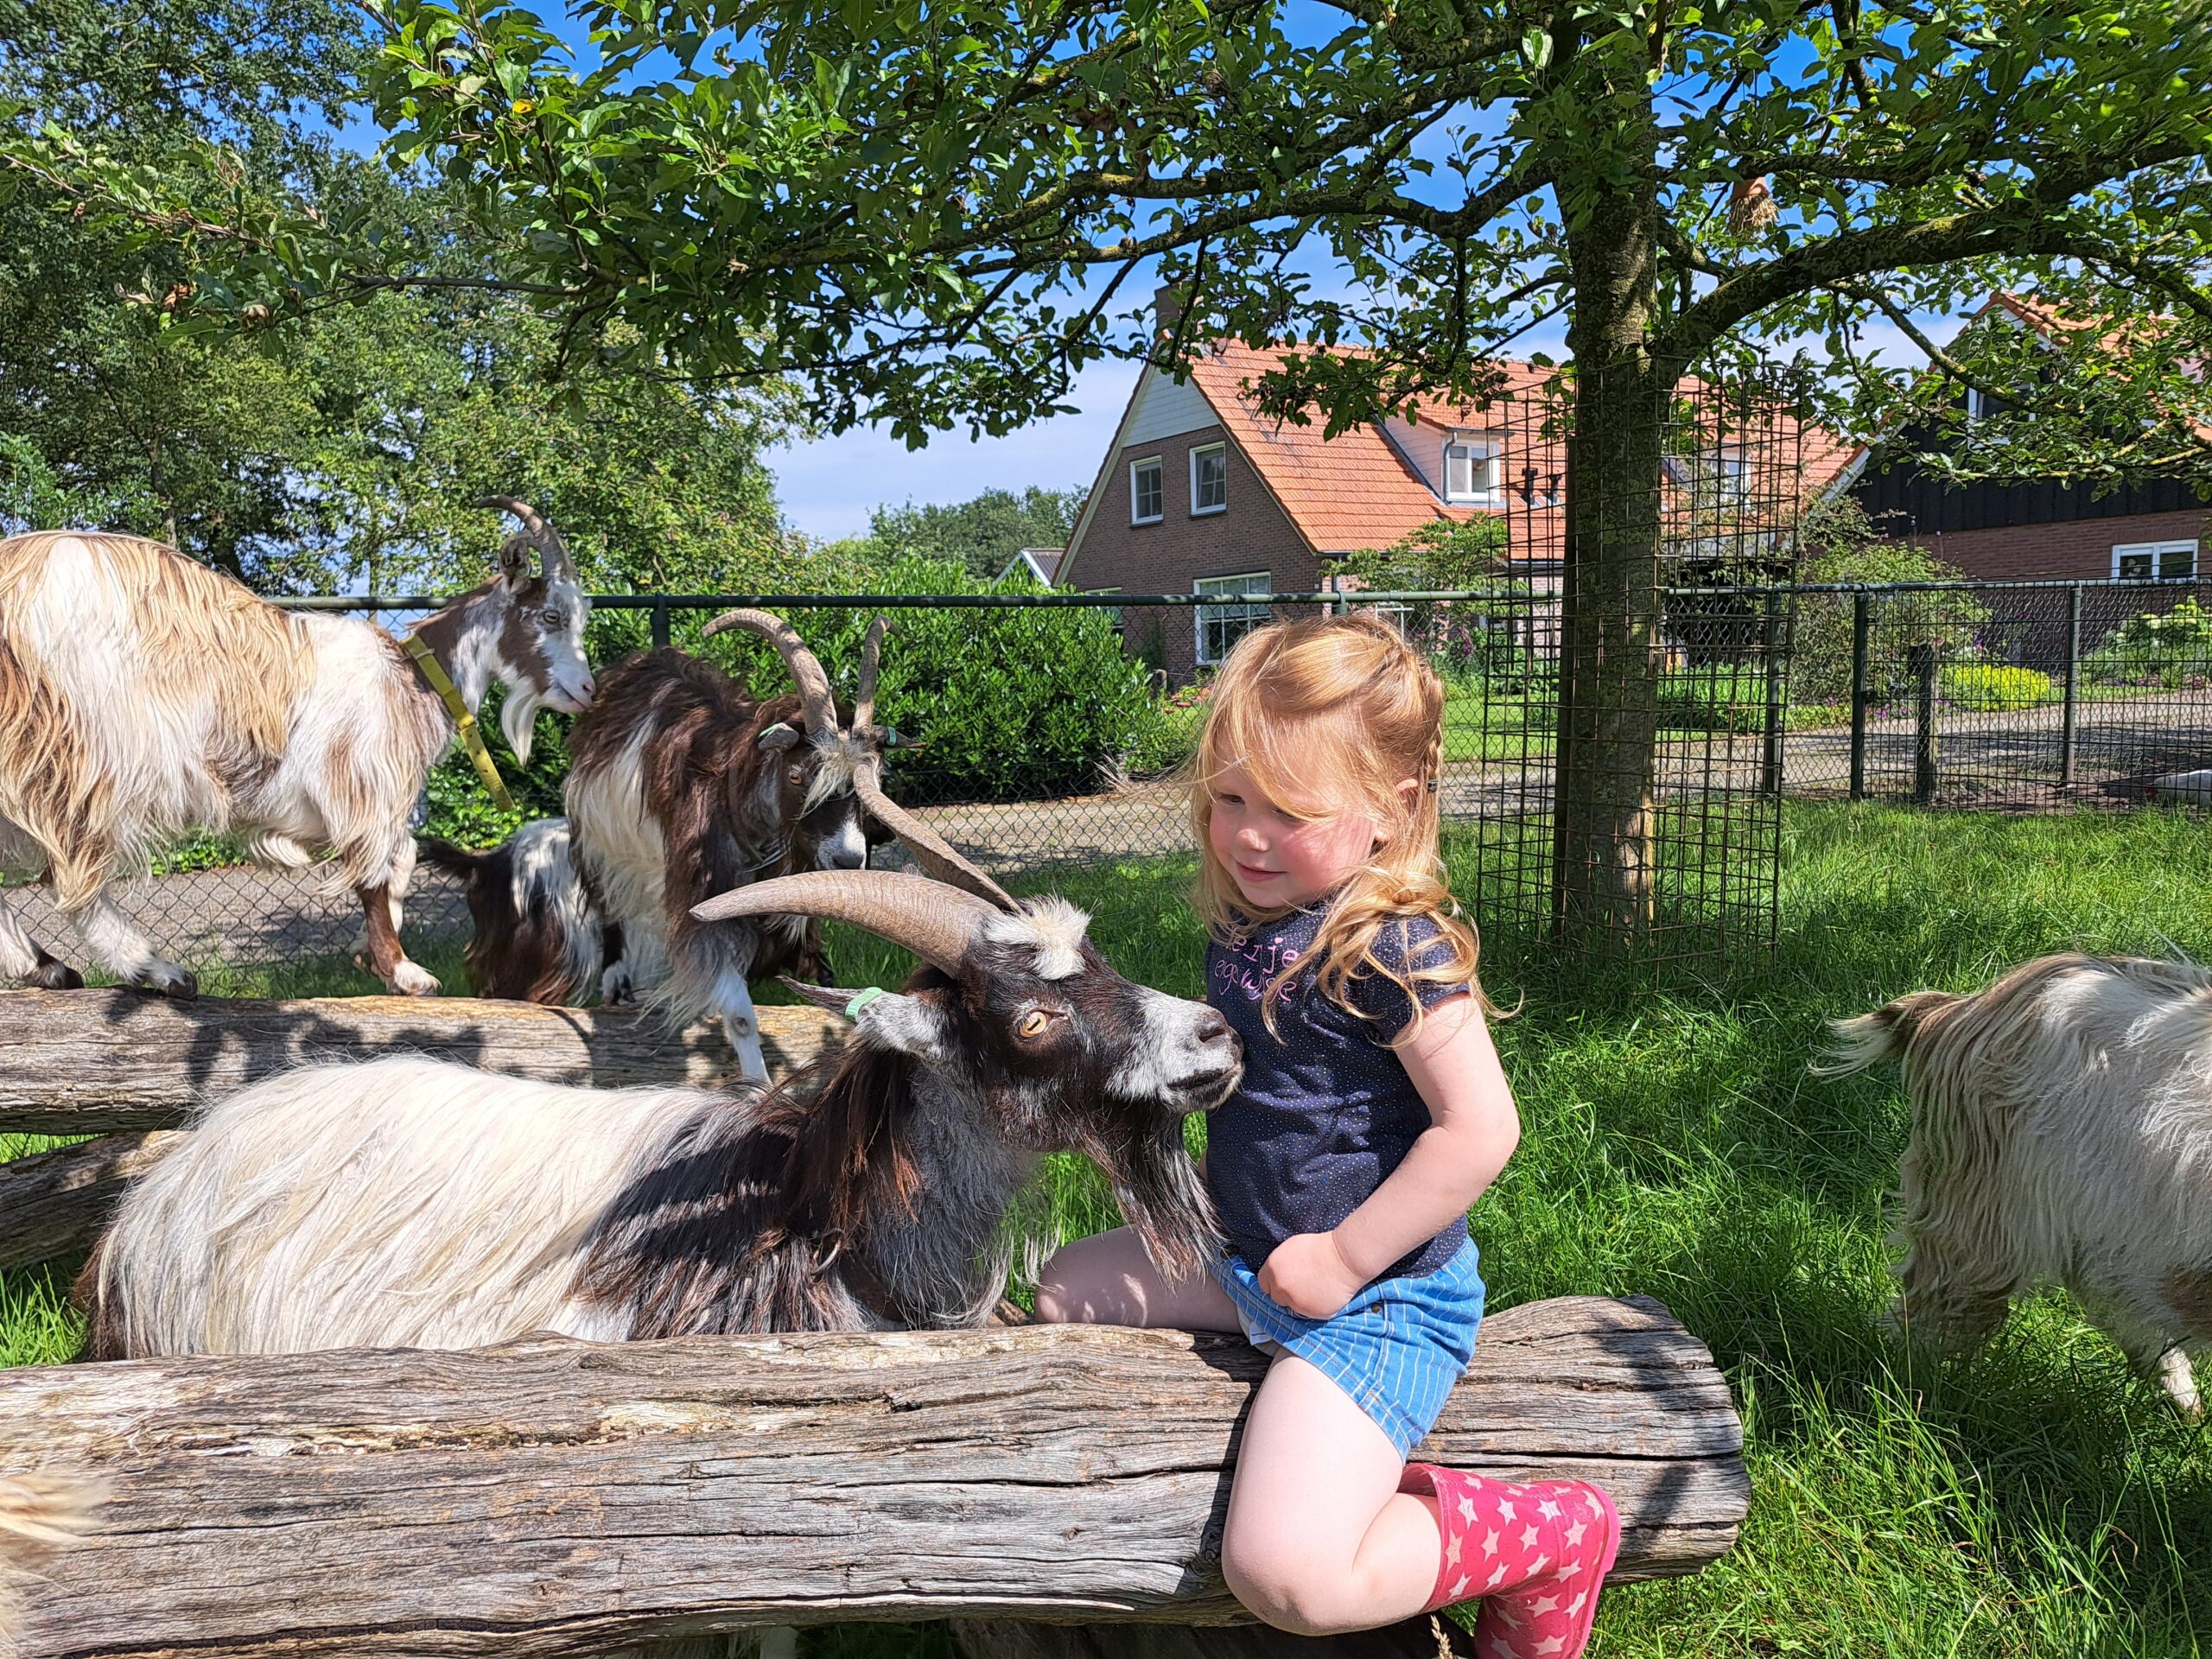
1198	493
2043	528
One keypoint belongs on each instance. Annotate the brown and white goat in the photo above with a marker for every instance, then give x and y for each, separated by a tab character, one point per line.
684	785
142	696
2061	1134
537	937
406	1203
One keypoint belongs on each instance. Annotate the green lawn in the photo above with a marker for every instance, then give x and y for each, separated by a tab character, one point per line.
2038	1501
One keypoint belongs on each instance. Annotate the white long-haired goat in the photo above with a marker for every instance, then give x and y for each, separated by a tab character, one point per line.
2061	1134
142	696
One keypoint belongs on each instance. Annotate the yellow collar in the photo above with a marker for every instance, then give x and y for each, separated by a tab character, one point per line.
472	737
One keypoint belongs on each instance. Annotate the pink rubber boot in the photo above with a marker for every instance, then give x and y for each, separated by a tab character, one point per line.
1535	1552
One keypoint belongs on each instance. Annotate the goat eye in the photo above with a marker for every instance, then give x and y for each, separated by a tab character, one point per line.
795	774
1034	1024
555	620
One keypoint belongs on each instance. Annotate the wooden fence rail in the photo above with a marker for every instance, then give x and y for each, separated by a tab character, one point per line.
555	1498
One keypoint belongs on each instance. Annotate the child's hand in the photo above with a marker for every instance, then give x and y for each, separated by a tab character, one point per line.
1308	1275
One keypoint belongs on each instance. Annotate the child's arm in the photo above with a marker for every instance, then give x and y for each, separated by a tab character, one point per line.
1473	1129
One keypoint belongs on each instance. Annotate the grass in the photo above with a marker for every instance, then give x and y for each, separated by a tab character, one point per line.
2039	1500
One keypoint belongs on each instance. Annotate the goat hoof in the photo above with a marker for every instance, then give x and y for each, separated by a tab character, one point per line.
410	980
166	979
51	975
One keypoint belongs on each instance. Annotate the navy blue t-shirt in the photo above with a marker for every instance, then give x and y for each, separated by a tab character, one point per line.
1325	1111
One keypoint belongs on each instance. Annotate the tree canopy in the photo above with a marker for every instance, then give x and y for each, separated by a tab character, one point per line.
982	535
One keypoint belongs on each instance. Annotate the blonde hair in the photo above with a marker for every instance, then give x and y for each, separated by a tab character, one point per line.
1329	716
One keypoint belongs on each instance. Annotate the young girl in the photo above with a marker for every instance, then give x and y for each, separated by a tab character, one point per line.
1372	1113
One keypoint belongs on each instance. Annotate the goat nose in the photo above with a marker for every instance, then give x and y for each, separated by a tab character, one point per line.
1212	1028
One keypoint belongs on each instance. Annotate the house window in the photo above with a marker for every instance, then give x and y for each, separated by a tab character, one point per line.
1209	479
2154	561
1147	492
1221	626
1470	469
1111	613
1398	616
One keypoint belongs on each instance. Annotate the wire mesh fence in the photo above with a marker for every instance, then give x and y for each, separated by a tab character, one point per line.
2012	697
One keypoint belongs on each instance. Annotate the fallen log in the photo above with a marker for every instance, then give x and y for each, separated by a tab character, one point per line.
53	1204
555	1498
89	1062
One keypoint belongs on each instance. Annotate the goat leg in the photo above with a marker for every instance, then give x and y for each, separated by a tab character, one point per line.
24	957
387	959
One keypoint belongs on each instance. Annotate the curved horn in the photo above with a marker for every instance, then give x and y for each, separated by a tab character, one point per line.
930	850
934	921
871	660
553	552
813	684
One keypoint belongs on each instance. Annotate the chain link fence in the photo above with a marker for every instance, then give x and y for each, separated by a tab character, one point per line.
2012	697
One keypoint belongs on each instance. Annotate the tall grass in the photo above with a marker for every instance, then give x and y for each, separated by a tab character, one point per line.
2037	1500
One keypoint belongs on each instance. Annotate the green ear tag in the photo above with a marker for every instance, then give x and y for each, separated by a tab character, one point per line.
853	1009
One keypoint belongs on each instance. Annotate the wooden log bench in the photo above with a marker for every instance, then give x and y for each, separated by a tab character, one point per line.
556	1499
125	1067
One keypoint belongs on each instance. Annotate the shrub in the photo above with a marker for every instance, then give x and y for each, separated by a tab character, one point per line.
1988	688
1719	699
1012	704
2161	647
1168	734
1843	545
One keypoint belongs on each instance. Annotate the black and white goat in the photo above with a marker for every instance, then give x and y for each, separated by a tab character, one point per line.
406	1203
142	696
2061	1134
683	785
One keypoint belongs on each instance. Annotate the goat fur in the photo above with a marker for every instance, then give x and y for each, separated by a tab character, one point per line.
142	696
39	1514
2061	1134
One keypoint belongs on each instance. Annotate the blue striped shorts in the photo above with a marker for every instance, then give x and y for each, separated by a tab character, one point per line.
1396	1349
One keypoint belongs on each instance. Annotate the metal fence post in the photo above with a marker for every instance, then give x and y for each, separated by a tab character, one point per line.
1921	659
1862	607
1770	643
660	624
2072	686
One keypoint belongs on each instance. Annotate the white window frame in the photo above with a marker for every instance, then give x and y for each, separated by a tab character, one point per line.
1243	618
2156	552
1487	447
1222	505
1113	612
1136	514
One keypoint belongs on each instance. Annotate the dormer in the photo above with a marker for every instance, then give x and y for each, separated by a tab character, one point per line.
1463	466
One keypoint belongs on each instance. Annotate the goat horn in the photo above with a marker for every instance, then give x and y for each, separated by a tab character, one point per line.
555	558
931	851
813	684
871	660
934	921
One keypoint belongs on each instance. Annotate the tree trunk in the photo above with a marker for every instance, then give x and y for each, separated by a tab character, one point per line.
1610	647
552	1498
90	1062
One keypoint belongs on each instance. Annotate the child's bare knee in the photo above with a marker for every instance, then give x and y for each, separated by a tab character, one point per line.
1300	1597
1055	1304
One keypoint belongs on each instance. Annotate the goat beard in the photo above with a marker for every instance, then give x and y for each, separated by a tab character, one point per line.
518	720
1164	1198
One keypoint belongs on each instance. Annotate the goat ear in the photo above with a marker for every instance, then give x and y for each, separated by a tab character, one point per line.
514	560
908	1022
832	997
778	738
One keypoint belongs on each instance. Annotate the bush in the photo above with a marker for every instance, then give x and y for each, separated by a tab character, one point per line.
1842	545
1011	704
1987	687
1168	735
2155	647
1719	699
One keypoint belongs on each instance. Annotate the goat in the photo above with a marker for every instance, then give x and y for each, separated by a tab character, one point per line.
537	936
407	1203
684	785
142	696
2061	1134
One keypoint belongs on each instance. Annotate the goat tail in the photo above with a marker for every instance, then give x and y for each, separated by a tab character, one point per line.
1867	1039
39	1513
